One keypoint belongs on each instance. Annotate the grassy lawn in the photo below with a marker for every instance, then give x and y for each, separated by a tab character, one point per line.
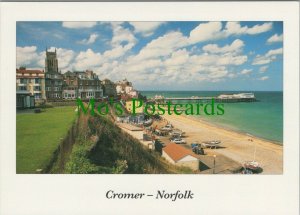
38	135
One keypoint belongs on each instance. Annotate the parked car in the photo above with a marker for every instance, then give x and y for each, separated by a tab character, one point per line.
178	141
176	133
166	129
175	137
211	144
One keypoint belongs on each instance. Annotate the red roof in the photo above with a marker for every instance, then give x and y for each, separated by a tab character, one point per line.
29	71
176	152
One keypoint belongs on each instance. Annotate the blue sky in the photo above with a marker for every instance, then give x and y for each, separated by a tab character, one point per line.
162	55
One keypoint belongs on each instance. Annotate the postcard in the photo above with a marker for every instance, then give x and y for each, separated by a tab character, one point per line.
152	110
175	97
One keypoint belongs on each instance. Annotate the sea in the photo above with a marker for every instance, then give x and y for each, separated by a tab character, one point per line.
263	119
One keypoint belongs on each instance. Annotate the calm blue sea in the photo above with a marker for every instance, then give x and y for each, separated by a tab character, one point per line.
263	119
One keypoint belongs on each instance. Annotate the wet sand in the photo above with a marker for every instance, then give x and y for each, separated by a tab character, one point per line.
234	145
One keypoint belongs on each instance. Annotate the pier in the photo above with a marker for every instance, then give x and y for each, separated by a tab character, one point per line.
234	98
205	99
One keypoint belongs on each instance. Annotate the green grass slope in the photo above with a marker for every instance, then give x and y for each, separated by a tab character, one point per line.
39	135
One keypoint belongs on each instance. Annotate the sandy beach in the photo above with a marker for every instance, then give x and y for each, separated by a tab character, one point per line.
234	145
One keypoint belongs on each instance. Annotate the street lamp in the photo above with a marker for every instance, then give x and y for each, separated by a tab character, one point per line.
214	163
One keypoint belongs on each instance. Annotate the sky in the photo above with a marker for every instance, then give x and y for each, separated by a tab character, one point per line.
232	56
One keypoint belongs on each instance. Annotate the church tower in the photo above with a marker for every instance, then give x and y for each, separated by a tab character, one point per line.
51	65
53	78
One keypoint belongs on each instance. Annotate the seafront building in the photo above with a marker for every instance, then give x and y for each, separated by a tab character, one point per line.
82	84
123	86
70	86
125	89
32	81
109	88
30	87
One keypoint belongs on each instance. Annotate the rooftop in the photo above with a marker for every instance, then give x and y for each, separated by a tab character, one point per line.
177	152
29	71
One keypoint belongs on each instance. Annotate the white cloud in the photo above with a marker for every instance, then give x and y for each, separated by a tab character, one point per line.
27	56
78	25
274	52
263	69
206	31
258	29
162	46
270	56
177	67
87	60
145	28
213	30
143	66
167	56
177	58
235	46
246	71
261	60
275	38
90	40
122	41
234	28
263	78
229	59
121	35
117	52
216	75
232	75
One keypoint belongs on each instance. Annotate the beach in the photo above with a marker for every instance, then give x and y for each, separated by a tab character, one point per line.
236	146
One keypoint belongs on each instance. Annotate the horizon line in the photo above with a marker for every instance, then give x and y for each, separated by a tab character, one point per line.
213	90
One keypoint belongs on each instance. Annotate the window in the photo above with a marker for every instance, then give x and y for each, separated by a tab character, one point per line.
37	88
22	88
37	81
37	96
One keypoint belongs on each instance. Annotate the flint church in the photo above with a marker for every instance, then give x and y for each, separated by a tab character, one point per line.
53	77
